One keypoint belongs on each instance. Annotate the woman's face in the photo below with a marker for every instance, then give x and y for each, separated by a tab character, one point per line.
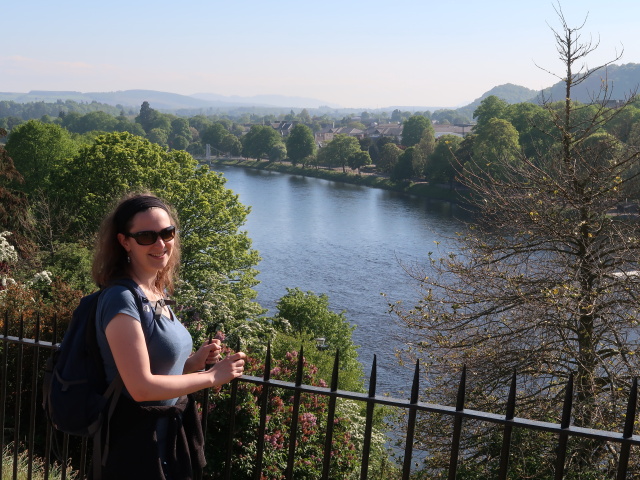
147	260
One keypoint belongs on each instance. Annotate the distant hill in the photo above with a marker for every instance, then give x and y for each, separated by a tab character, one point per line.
508	92
266	100
164	101
621	80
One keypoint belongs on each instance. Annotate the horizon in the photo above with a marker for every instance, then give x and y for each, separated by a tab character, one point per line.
360	56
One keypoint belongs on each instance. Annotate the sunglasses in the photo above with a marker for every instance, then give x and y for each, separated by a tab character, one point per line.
149	237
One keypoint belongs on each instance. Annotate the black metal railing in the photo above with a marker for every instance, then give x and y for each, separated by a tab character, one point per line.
24	429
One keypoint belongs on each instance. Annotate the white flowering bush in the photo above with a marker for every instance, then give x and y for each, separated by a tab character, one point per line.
42	278
8	252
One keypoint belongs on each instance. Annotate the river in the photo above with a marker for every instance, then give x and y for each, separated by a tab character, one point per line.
349	242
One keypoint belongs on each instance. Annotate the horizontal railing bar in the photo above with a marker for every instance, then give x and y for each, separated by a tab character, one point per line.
30	341
447	410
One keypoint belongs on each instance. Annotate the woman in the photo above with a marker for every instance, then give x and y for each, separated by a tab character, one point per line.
154	432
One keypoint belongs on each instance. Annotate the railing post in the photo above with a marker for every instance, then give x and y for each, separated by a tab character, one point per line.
506	438
565	423
457	425
293	431
35	365
366	449
331	414
18	394
3	387
264	402
630	418
233	396
411	424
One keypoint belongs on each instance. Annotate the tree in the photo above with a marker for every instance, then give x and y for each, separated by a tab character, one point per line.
311	318
260	141
413	128
406	166
442	163
338	151
180	135
14	207
213	135
359	160
496	146
37	148
489	108
544	285
278	152
300	144
159	136
147	115
389	154
231	145
95	121
304	116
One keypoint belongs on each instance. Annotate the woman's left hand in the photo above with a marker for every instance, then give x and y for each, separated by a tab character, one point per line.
207	355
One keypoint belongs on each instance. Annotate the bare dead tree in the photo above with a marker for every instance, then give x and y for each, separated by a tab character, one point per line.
544	283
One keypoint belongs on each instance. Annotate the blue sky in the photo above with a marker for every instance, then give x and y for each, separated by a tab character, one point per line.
354	54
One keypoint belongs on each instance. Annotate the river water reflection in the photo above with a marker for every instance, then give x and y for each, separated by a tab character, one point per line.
348	242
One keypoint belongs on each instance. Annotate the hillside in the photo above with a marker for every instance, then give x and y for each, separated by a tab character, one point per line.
508	92
622	80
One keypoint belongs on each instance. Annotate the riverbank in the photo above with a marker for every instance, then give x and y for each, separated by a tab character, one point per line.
368	179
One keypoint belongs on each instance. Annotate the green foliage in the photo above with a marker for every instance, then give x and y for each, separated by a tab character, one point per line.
37	150
217	259
300	144
311	318
14	214
71	264
442	163
260	141
35	110
113	164
491	107
495	148
414	128
410	164
358	160
389	155
278	152
338	151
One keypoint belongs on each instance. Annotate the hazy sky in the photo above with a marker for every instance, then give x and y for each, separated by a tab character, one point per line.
351	53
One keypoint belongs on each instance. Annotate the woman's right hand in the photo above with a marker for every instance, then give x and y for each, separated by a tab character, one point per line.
227	369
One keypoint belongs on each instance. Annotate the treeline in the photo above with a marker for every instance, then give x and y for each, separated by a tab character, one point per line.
13	113
504	135
503	132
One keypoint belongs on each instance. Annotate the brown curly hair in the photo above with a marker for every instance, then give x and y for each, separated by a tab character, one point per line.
110	260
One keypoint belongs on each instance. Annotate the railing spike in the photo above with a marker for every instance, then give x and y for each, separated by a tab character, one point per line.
416	383
267	363
625	450
461	390
567	404
631	410
300	366
334	374
511	401
373	378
